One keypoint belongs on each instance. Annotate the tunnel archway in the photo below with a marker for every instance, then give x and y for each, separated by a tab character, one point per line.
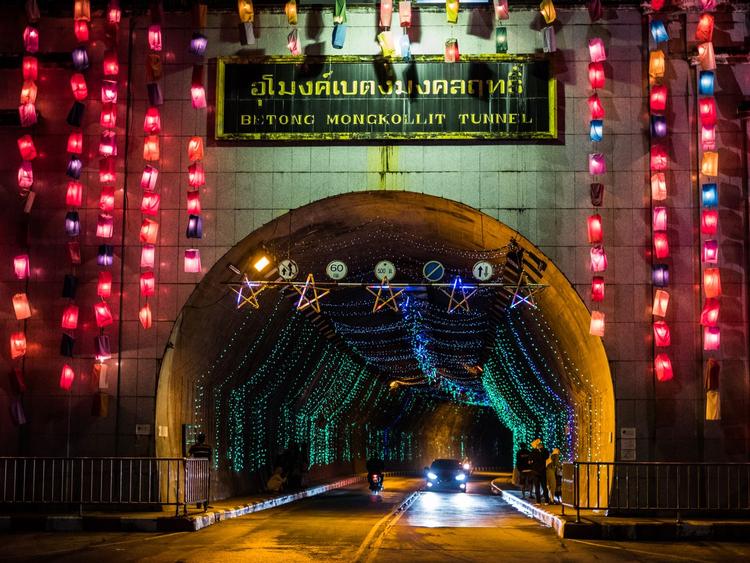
410	384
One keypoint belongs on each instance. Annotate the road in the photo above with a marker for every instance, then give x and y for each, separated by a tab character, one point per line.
350	525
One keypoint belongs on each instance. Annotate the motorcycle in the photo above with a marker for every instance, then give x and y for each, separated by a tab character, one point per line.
376	482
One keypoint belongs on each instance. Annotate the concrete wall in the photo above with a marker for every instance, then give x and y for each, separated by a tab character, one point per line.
539	189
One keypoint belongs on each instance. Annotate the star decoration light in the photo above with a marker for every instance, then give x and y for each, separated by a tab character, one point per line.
525	292
459	301
305	300
254	289
380	302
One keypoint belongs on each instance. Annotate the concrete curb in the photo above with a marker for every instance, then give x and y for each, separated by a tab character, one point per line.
530	510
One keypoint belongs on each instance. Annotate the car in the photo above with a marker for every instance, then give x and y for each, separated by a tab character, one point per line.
446	474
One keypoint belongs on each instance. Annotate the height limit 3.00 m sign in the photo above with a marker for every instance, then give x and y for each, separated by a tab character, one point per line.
487	97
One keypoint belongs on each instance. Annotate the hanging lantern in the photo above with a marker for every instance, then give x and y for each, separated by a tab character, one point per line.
198	44
547	9
195	149
104	284
103	314
595	107
710	254
149	177
151	148
108	143
661	303
597	52
404	12
74	168
707	4
144	315
501	39
25	175
663	367
70	286
709	195
67	375
105	225
70	317
27	114
658	126
114	14
149	231
404	46
596	75
80	58
110	64
148	253
31	39
385	40
710	312
26	147
657	5
150	203
81	10
109	91
704	31
707	111
154	71
549	41
75	142
659	219
706	83
81	31
657	64
102	350
74	251
148	284
660	275
72	224
711	338
708	138
28	92
339	35
192	263
194	227
198	93
596	328
598	259
105	255
17	345
451	11
152	121
710	163
108	116
712	282
386	13
597	288
194	203
245	9
595	229
661	245
662	335
21	306
658	99
30	67
596	130
502	12
706	56
107	174
659	160
21	266
154	37
709	221
74	194
597	164
658	31
196	175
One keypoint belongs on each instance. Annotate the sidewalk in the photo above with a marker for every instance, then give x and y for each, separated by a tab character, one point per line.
595	524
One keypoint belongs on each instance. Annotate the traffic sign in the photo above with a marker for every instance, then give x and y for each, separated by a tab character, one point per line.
433	271
482	271
385	269
336	270
288	269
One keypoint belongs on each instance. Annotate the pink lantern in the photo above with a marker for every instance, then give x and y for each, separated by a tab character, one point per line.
17	345
108	143
148	252
196	175
74	194
404	13
658	98
148	284
149	231
596	328
662	336
150	203
110	64
595	107
151	148
709	221
114	13
192	261
78	86
710	312
597	164
21	306
107	199
663	367
708	138
144	315
152	121
149	177
707	111
596	75
70	317
502	12
26	147
452	53
659	159
198	95
659	219
25	175
75	142
104	285
109	91
598	259
27	114
67	375
154	37
661	245
108	117
710	254
594	225
711	282
21	266
31	39
597	288
597	52
711	338
386	13
103	314
707	4
661	302
193	203
105	225
195	149
107	174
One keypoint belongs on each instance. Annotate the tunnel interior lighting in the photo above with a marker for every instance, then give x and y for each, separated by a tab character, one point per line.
261	263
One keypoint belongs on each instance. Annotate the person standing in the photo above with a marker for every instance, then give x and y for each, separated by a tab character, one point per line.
538	457
553	470
522	470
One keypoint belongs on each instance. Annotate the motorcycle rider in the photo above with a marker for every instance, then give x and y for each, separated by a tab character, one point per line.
375	466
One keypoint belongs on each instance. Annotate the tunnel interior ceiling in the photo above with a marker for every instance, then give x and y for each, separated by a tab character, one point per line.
348	381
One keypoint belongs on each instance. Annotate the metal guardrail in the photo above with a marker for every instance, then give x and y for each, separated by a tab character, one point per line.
656	487
113	481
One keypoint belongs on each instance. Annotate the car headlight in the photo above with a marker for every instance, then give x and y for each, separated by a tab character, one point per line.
431	475
460	477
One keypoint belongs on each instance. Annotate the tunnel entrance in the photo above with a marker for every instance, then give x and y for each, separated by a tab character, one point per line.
403	368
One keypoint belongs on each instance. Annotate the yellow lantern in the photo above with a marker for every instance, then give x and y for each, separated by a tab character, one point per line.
290	9
547	8
656	64
245	9
82	10
451	11
386	44
710	163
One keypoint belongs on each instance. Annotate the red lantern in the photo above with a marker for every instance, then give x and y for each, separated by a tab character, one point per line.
21	306
17	345
595	107
105	225
196	175
148	178
709	221
109	91
108	117
31	39
70	317
595	229
30	68
451	51
147	255
151	148
596	328
28	92
386	13
663	367
144	315
659	159
195	149
597	288
661	245
75	142
111	64
711	338
108	143
103	314
708	137
148	284
67	375
193	203
78	86
26	147
198	95
661	302
152	121
25	175
662	336
74	194
705	28
659	219
657	5
707	111
74	252
150	203
104	285
107	199
710	253
711	282
404	13
596	75
21	266
658	98
710	312
154	37
192	261
598	259
114	13
149	231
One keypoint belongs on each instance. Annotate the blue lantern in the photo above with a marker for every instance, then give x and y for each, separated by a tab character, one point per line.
339	36
194	227
198	44
658	126
660	275
74	167
709	195
405	47
596	130
105	255
658	31
80	58
706	83
72	224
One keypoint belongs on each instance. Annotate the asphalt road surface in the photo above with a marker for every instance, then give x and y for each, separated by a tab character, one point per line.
349	524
